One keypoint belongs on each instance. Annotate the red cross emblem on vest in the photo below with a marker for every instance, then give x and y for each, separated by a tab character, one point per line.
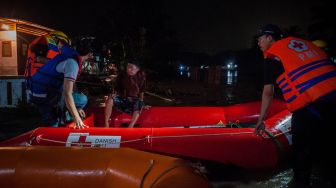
297	45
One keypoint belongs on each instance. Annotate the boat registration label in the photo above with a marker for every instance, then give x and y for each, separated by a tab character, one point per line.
84	139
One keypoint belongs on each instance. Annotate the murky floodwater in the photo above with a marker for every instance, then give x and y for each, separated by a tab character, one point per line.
231	88
279	179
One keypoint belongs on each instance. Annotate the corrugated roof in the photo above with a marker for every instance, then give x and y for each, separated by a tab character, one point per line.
25	26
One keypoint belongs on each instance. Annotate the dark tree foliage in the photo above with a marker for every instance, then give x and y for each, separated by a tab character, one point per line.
136	29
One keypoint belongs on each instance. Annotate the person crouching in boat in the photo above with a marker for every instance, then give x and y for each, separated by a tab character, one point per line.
129	93
57	78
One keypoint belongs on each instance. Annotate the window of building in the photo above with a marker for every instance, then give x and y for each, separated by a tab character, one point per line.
6	49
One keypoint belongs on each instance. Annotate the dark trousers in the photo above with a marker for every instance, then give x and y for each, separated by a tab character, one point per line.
313	129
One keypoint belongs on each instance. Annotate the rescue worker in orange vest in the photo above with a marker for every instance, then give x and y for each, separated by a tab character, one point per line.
55	80
42	49
307	79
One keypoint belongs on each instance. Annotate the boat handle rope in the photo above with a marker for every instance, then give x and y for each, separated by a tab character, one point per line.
148	138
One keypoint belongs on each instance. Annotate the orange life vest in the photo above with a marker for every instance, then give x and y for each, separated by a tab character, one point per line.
308	73
32	64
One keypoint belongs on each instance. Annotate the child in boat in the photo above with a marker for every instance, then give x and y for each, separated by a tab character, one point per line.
129	93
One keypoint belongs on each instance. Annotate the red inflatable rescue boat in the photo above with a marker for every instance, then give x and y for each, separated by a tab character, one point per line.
220	134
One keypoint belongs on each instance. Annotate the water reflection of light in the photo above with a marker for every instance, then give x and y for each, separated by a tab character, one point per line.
231	77
188	74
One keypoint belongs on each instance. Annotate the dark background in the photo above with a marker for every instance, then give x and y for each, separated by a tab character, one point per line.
166	32
201	26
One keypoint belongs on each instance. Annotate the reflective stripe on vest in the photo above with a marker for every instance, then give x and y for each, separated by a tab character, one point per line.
308	74
37	95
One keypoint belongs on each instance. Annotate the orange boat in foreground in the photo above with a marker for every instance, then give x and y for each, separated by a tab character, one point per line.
56	167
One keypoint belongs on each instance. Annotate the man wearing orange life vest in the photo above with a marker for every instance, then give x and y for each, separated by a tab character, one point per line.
42	49
307	79
52	48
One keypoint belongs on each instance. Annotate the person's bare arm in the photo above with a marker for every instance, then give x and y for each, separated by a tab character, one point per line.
69	101
267	97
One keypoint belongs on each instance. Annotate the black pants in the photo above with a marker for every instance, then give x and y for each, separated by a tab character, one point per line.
313	129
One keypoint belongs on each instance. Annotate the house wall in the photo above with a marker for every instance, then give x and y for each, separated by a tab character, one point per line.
8	65
23	41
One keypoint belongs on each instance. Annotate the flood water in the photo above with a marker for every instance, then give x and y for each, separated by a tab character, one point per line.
230	88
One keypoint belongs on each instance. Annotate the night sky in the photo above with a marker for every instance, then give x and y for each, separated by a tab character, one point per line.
220	25
200	26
